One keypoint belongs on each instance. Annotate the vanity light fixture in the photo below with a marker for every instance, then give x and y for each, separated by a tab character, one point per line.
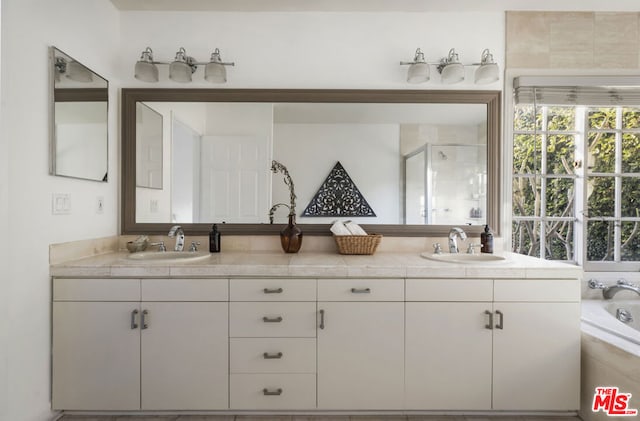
72	70
181	68
488	70
418	71
451	69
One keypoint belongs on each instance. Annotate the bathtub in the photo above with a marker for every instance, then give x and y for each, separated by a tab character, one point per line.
600	315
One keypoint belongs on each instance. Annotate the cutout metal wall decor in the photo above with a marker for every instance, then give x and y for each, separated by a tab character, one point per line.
338	196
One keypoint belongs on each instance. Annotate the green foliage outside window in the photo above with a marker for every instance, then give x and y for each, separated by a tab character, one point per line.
558	136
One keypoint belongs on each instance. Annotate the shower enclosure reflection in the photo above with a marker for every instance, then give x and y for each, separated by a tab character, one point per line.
446	184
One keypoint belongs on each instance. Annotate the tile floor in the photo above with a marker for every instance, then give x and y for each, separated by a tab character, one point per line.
311	418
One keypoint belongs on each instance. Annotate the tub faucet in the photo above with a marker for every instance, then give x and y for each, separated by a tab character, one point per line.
176	231
453	233
609	291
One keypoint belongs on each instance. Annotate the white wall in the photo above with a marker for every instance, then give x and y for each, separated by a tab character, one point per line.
88	30
4	249
312	50
310	151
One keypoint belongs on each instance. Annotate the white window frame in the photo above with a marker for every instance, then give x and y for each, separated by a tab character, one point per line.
562	77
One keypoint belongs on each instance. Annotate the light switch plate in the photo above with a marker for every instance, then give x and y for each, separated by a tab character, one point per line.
61	203
100	204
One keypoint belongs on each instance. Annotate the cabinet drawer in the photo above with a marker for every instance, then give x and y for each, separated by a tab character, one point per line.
449	290
273	355
88	289
532	290
272	290
185	290
268	320
360	290
273	391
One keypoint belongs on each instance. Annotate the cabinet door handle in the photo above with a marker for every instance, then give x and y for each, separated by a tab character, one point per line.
272	319
145	324
500	324
268	392
134	317
361	290
273	290
490	325
321	319
268	356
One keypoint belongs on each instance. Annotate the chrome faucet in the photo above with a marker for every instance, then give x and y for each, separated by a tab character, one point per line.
453	233
176	231
609	291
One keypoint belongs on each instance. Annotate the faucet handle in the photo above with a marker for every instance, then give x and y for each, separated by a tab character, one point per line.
194	246
625	282
472	248
595	284
161	246
437	249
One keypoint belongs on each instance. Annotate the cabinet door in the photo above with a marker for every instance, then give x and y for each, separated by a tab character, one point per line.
448	356
536	357
185	356
361	355
96	356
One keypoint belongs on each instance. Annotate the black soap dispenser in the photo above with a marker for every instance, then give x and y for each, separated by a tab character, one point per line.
486	239
214	239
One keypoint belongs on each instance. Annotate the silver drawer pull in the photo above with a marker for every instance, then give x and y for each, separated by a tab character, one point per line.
273	290
361	290
268	392
268	356
145	322
500	324
272	319
134	317
490	325
321	319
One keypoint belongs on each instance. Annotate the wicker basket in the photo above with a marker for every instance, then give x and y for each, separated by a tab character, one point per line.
357	244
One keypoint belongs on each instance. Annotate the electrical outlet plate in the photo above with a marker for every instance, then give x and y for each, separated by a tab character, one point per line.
100	204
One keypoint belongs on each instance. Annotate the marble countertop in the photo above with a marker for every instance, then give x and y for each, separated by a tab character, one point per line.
313	264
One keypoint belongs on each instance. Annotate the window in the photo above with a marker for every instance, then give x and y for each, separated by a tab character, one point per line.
576	176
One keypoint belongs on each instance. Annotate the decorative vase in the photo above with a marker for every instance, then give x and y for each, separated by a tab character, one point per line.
291	236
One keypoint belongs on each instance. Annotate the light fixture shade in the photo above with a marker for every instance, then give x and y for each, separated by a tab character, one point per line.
79	73
418	73
453	73
180	71
215	72
487	73
146	71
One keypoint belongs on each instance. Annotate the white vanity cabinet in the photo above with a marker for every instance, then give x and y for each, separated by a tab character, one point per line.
96	344
508	344
151	344
272	324
360	344
448	344
536	344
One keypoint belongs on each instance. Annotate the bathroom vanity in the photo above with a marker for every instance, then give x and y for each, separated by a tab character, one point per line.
270	332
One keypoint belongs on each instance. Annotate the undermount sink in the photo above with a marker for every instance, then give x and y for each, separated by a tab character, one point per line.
464	257
168	256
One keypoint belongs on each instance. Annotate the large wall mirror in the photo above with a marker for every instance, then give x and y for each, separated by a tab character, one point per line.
78	140
423	161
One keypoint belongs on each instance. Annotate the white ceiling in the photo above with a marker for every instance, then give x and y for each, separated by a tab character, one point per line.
374	5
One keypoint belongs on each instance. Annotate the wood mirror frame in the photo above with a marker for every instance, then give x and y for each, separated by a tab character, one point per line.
492	99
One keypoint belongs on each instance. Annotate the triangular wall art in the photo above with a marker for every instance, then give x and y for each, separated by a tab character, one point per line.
338	196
